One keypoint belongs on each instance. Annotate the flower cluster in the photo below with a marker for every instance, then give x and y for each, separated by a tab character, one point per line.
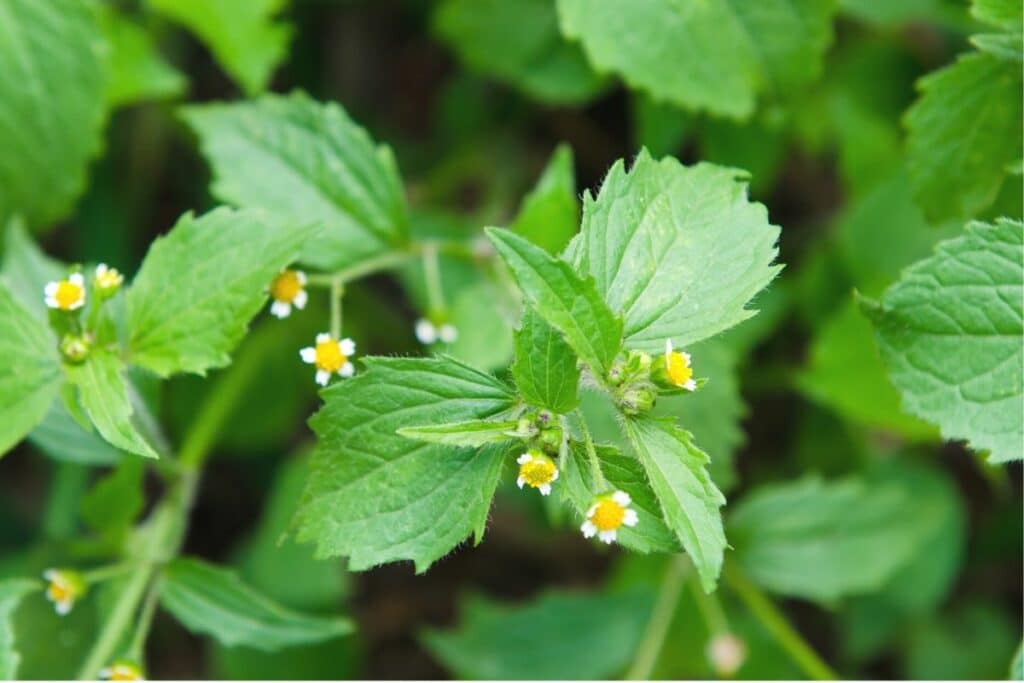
70	294
428	333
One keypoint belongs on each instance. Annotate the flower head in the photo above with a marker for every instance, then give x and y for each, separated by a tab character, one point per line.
677	368
66	295
607	514
330	356
536	470
107	280
64	586
122	670
726	653
428	333
288	289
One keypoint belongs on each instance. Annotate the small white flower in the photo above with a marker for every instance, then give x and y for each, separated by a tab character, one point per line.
64	586
330	356
537	470
607	514
677	367
66	295
287	290
726	653
107	279
448	334
426	333
122	670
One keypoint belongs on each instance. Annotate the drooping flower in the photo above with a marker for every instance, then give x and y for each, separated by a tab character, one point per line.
607	514
536	470
122	670
428	333
678	369
64	586
288	289
66	295
107	280
330	356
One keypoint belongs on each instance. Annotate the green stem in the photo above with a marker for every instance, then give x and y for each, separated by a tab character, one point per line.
777	625
67	486
710	608
386	261
661	619
145	622
337	293
101	574
432	275
595	464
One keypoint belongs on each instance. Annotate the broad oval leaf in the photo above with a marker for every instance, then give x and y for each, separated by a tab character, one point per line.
11	593
678	251
29	371
566	301
550	214
213	601
378	497
201	283
472	433
690	501
52	86
950	334
306	162
545	369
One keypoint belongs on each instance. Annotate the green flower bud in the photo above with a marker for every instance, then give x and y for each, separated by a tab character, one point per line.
551	439
637	401
75	348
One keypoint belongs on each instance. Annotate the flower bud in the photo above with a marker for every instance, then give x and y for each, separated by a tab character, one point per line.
637	401
726	653
551	439
75	348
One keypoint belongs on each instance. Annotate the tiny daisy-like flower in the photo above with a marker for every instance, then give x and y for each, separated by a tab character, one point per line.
288	289
330	356
66	295
607	514
537	470
122	670
107	279
677	367
64	586
726	653
427	333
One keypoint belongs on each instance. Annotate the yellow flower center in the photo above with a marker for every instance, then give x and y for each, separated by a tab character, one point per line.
608	516
678	369
58	591
109	279
537	472
329	357
68	294
125	672
286	287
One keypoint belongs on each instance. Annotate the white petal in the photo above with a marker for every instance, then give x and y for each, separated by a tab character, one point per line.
50	289
607	536
690	385
300	299
308	354
554	477
105	673
425	332
76	279
588	529
524	458
685	355
630	518
591	511
347	370
545	489
50	574
448	334
347	346
301	277
63	606
280	309
520	481
101	270
622	498
668	348
323	337
323	377
78	304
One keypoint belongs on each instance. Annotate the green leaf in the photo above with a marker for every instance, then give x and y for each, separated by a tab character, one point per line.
11	593
690	502
471	433
558	636
201	283
213	601
550	214
567	302
824	541
971	642
659	127
949	332
963	132
30	373
623	473
678	251
518	42
241	34
26	269
306	162
63	439
137	70
52	83
376	496
1017	665
104	394
715	55
545	370
116	501
1005	14
485	331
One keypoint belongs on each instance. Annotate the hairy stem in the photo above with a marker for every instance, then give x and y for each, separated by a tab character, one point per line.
661	618
337	293
761	606
588	440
